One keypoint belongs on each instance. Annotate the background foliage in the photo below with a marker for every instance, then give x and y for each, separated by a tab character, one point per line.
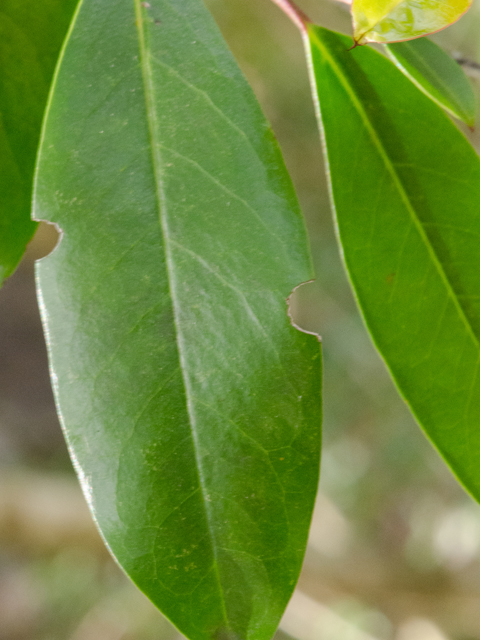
395	545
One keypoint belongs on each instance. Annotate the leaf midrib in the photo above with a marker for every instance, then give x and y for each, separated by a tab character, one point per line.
152	120
397	181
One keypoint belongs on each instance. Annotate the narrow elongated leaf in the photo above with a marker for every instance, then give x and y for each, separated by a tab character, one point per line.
396	20
437	75
190	403
406	193
31	34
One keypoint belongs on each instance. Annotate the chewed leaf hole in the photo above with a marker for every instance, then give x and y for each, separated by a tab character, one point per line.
46	239
302	305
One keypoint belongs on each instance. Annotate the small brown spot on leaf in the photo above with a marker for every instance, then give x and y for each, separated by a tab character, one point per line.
391	278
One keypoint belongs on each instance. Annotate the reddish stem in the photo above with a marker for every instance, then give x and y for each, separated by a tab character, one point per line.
295	14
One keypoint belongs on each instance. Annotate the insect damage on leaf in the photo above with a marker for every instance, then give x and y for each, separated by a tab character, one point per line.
293	305
188	400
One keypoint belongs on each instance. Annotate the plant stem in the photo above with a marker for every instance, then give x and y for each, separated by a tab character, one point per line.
295	14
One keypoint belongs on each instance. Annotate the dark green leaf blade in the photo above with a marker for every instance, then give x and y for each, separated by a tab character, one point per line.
437	75
406	192
31	34
190	403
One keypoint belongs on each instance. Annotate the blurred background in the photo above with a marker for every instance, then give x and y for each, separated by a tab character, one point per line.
394	551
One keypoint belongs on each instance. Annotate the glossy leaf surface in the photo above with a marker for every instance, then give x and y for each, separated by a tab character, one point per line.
406	193
437	75
397	20
31	34
190	403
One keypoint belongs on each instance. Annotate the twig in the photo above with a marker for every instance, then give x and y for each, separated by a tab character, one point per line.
296	15
470	67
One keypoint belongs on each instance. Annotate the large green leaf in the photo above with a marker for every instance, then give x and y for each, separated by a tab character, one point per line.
406	192
31	34
437	75
190	403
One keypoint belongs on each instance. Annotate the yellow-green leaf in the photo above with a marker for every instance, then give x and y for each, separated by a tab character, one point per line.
397	20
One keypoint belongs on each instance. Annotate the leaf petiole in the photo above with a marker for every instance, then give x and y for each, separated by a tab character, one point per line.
296	15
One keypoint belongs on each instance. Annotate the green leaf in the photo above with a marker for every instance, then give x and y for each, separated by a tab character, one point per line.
396	20
31	34
436	74
406	192
190	403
